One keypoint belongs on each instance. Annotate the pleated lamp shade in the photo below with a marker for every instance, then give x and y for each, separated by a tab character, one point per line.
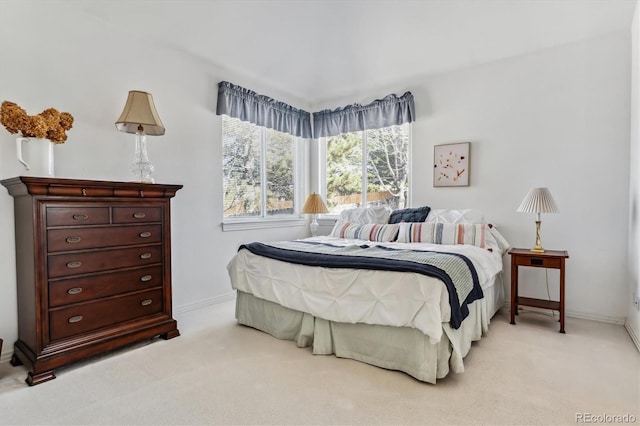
314	204
140	111
538	200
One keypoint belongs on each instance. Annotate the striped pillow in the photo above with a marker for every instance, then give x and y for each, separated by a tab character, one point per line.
444	233
369	231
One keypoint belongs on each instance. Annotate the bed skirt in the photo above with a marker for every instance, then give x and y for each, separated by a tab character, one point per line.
395	348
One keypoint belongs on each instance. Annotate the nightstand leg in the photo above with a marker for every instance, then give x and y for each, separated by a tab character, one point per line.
562	296
514	290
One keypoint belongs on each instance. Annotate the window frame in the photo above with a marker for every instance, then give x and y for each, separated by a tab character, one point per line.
300	160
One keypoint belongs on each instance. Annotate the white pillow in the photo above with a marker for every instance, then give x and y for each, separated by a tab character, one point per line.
364	215
455	216
501	242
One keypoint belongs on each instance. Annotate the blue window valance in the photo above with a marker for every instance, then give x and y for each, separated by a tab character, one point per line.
247	105
388	111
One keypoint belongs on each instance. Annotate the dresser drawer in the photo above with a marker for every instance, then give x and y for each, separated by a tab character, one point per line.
137	214
61	265
62	216
74	290
82	238
85	317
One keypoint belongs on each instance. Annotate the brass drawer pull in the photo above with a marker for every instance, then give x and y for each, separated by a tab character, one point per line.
145	234
146	302
74	264
80	216
145	256
145	278
139	215
72	240
75	290
75	318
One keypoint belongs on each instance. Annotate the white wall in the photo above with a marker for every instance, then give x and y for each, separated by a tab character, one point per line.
633	319
53	58
557	118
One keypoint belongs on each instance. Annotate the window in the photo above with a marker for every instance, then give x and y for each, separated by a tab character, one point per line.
375	159
259	171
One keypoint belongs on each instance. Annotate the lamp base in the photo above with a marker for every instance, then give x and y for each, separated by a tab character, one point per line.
314	226
142	168
538	247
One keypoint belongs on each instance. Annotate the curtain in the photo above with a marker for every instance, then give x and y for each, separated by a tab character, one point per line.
388	111
247	105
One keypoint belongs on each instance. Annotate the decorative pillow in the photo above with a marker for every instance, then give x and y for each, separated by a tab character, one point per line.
446	233
455	216
501	243
416	214
365	215
369	231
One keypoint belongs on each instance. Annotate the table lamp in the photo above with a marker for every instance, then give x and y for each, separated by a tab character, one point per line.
314	205
141	118
538	200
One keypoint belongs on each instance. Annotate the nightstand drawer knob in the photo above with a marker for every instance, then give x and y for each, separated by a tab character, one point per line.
537	262
146	302
145	256
145	278
145	234
74	264
80	216
75	318
72	240
139	215
75	290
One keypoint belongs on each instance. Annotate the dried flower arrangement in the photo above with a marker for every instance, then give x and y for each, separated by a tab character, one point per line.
50	123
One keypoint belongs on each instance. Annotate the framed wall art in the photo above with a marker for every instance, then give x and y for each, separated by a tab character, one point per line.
451	164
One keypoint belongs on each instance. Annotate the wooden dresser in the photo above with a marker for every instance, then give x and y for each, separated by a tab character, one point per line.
93	264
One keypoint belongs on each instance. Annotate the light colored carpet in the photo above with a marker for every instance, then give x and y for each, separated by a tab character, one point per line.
218	372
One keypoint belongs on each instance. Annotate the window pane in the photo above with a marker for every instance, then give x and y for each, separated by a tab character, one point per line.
344	171
241	168
279	163
387	167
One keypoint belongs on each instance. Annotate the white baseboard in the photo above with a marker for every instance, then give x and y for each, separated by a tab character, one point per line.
632	333
205	303
580	315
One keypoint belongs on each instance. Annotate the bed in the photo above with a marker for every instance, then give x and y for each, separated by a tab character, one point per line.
393	295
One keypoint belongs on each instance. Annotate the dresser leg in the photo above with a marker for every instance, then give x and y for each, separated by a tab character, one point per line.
15	361
36	379
171	334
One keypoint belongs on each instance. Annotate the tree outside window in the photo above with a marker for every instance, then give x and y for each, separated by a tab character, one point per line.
258	170
375	159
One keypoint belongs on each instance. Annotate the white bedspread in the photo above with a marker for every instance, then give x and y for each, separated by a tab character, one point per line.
398	299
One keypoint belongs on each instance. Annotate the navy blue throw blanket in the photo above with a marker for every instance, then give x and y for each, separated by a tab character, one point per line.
385	259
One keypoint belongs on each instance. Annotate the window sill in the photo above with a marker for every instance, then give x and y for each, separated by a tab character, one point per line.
246	224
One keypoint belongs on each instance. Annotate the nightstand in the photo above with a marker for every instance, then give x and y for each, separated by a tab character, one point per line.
551	259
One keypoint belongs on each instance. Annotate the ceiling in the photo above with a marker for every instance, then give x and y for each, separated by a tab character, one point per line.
319	50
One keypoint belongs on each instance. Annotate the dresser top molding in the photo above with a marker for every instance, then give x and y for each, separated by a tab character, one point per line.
23	185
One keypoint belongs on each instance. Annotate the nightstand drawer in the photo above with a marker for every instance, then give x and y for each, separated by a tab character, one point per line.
541	262
63	216
137	214
62	265
76	290
81	238
90	316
